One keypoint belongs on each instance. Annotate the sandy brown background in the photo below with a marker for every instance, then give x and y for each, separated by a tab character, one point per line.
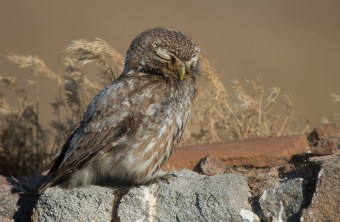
294	45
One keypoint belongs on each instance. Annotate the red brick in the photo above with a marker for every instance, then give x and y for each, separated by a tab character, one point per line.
260	152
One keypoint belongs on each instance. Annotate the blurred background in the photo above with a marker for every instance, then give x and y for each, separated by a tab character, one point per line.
294	45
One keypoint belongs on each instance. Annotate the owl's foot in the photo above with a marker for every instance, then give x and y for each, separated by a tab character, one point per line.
166	176
163	176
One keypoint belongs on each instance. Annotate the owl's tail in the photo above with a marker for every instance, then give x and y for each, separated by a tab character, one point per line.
33	185
26	184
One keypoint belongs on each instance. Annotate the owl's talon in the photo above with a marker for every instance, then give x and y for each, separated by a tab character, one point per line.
167	177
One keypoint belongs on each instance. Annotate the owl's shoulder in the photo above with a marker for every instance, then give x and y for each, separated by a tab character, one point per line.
129	91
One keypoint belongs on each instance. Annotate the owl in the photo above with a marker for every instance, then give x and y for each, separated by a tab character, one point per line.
133	125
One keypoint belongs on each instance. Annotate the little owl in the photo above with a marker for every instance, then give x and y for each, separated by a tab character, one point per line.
133	126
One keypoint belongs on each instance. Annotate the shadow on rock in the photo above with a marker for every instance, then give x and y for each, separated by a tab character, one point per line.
25	204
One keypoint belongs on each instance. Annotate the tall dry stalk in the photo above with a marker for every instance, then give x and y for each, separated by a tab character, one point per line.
22	138
336	99
215	117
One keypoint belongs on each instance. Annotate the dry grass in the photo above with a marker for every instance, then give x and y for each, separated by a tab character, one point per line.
336	116
259	113
25	145
22	138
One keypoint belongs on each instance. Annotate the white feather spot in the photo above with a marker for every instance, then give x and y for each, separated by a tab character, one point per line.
146	164
193	61
178	120
131	71
152	109
162	130
149	147
127	102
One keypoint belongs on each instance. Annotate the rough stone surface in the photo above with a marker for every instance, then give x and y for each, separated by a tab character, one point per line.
283	203
326	146
189	197
7	201
260	152
3	181
325	131
14	206
211	165
92	203
325	204
260	179
325	139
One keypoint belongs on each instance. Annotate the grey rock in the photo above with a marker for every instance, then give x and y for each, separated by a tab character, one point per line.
189	196
8	201
92	203
15	206
325	205
185	196
283	203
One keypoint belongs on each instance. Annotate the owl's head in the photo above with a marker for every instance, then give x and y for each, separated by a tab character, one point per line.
164	52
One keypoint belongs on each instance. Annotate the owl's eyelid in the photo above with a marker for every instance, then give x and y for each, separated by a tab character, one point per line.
163	54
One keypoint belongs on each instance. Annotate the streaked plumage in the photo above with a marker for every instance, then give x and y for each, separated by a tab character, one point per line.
132	126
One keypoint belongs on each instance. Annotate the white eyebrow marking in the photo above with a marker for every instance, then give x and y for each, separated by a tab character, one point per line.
193	60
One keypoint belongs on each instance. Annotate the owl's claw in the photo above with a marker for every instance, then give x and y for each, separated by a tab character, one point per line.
166	176
163	177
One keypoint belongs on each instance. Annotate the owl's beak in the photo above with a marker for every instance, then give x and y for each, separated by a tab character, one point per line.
181	71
